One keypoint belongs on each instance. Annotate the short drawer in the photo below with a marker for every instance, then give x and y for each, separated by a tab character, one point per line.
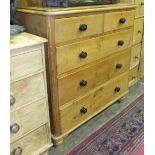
118	20
138	30
84	52
31	142
81	110
28	118
133	76
78	27
27	90
25	64
140	11
139	2
135	55
89	78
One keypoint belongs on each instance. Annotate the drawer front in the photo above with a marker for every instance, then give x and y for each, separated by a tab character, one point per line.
133	76
139	2
140	11
78	111
89	78
27	90
25	64
78	27
118	20
31	142
135	55
28	118
69	56
138	30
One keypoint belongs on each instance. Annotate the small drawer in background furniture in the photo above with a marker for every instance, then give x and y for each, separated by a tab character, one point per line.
118	20
77	112
28	118
133	76
135	55
69	56
140	2
140	11
77	27
26	63
36	140
89	78
27	90
138	30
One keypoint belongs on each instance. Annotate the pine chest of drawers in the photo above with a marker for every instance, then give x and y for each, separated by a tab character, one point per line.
29	114
88	59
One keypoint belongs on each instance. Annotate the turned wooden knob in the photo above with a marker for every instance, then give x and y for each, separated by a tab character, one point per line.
12	100
14	128
120	43
83	110
83	83
83	55
122	20
18	151
118	66
83	27
117	89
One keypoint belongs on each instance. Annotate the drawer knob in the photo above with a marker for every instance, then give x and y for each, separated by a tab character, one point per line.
18	151
83	55
83	27
83	110
14	128
120	43
136	57
83	83
139	31
118	66
117	89
12	100
122	20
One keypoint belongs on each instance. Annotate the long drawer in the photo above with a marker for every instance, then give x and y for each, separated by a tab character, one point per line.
77	27
33	141
80	110
138	30
26	63
27	90
135	55
118	20
84	52
79	83
28	118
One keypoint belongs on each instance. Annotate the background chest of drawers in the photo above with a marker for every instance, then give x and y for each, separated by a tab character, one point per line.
29	126
137	52
89	52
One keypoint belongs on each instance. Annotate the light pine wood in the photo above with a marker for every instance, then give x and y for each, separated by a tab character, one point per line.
133	76
139	1
25	64
141	64
29	117
71	116
32	142
138	30
62	55
100	73
24	40
112	20
139	11
28	90
96	48
26	3
135	55
68	28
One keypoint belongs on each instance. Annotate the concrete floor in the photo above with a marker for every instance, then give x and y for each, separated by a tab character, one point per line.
92	125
